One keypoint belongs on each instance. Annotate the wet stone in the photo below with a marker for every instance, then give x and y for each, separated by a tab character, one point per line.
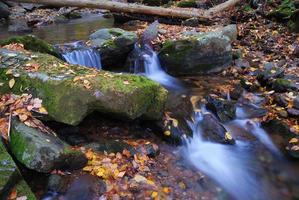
293	112
280	100
214	131
10	177
296	102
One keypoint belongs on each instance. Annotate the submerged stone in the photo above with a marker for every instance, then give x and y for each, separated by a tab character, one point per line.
42	152
10	177
196	54
71	92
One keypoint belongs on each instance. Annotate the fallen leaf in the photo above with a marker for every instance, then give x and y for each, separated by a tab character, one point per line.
11	83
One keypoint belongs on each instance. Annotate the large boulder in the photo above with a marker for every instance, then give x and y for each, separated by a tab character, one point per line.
197	54
42	152
4	10
11	178
114	45
71	92
31	43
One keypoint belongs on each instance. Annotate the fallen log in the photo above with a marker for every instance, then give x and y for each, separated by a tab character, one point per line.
221	7
125	7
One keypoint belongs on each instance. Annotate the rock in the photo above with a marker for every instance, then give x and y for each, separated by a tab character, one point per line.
114	146
193	22
56	183
224	110
40	151
229	110
269	73
250	87
110	146
85	187
60	19
113	43
32	43
19	26
4	10
10	177
214	131
202	53
71	92
237	92
296	102
230	31
280	100
242	63
293	112
73	15
284	85
281	136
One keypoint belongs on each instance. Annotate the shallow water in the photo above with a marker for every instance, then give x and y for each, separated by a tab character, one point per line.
74	30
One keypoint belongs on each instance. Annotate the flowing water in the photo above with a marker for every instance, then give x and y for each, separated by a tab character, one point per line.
147	63
82	55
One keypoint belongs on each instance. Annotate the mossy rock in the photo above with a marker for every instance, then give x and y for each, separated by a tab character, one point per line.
71	92
203	53
284	11
42	152
32	43
11	178
114	46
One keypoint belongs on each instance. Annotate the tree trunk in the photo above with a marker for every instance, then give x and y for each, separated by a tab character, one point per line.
125	7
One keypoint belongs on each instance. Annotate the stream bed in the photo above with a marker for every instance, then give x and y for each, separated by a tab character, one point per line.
251	169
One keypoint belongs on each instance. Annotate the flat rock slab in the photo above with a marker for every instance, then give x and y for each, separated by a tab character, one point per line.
70	92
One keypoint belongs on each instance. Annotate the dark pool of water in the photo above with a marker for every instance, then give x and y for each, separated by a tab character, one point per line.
74	30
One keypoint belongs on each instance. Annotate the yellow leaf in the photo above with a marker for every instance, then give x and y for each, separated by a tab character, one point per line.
293	140
154	194
166	190
8	72
11	83
167	133
87	169
228	136
42	110
182	185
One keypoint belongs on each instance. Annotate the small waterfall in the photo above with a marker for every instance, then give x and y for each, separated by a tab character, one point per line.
234	167
79	54
255	129
146	62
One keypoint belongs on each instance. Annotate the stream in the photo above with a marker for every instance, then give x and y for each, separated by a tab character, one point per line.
251	169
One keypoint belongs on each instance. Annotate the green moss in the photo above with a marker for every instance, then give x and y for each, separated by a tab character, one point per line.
23	190
32	43
187	4
284	11
19	146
